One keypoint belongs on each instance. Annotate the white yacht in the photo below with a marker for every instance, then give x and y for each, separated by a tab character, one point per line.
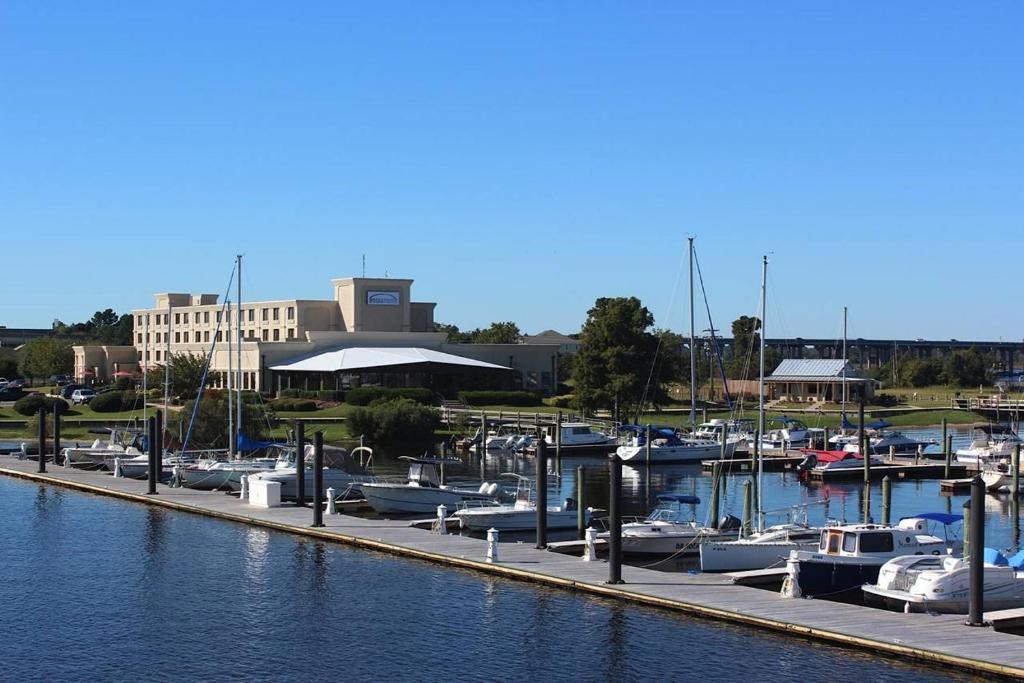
942	584
666	530
851	555
521	515
579	434
124	443
739	433
422	492
784	433
335	474
212	475
668	446
995	445
761	549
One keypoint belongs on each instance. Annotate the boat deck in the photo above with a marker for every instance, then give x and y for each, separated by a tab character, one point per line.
942	640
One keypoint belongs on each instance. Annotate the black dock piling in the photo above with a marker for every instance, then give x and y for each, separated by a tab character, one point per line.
542	495
615	519
300	463
1015	492
976	606
318	478
947	450
581	513
864	446
42	438
886	498
56	436
151	469
716	475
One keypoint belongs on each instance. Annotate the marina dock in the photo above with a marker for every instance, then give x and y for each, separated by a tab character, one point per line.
939	640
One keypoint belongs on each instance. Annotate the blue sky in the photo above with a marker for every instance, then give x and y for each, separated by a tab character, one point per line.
520	160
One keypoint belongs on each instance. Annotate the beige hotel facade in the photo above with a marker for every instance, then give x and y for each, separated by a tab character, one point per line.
364	312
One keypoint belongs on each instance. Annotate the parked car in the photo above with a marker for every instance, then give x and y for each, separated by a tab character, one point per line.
69	389
59	380
17	384
80	396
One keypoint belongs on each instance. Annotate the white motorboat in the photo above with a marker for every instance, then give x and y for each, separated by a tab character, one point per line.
760	550
336	474
942	584
520	516
668	446
739	433
851	555
124	443
579	434
997	478
422	492
667	530
784	433
996	445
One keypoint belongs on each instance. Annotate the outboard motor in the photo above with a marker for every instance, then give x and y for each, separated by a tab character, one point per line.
809	462
729	523
570	504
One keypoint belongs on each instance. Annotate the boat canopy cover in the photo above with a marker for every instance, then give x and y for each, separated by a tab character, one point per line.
877	424
994	429
993	556
943	517
1017	561
679	498
244	443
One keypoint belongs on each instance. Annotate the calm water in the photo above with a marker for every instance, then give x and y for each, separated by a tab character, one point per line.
96	589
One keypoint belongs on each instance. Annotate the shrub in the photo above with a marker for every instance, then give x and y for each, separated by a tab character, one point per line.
109	402
364	396
131	400
123	383
324	395
503	398
397	424
293	404
884	400
29	405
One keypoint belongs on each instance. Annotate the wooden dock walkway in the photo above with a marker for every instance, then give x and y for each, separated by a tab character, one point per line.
941	640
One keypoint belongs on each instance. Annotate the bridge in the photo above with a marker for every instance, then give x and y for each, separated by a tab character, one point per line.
16	336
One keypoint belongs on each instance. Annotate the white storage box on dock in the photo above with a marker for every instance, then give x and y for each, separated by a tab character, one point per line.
264	494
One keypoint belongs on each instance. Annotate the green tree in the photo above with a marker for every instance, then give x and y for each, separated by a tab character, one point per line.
498	333
964	368
210	427
47	356
455	335
746	348
186	374
396	426
617	357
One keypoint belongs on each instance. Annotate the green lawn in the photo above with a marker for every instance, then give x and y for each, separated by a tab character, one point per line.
935	396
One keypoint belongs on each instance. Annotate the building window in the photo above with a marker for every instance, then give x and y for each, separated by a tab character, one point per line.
186	336
291	335
206	336
157	337
218	320
206	316
264	313
277	337
291	313
177	321
277	314
147	337
140	341
252	314
158	358
265	334
227	336
219	335
195	317
139	321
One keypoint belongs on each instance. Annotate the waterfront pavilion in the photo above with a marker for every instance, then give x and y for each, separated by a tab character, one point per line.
394	367
816	380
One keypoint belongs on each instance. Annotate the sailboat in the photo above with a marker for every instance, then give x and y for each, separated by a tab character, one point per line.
672	447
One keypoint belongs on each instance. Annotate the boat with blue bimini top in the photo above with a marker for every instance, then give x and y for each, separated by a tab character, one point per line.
851	555
942	584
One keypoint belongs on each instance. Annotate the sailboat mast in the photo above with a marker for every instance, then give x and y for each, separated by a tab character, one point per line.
760	401
844	362
145	363
230	381
167	359
238	333
693	349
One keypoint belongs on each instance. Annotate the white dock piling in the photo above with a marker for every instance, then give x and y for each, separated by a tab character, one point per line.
492	545
332	507
590	549
23	453
117	467
442	520
244	492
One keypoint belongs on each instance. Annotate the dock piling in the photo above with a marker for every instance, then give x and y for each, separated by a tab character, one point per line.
243	493
867	502
865	450
442	520
492	545
117	468
151	451
716	474
976	605
647	445
1016	472
748	500
332	505
590	545
725	442
886	498
56	439
967	528
581	515
615	519
318	478
300	463
945	446
42	438
542	496
948	445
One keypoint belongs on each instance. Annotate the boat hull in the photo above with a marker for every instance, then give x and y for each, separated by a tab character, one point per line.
515	520
821	577
404	499
733	556
637	455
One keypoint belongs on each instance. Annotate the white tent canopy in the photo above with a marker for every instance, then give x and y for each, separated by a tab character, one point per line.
361	358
